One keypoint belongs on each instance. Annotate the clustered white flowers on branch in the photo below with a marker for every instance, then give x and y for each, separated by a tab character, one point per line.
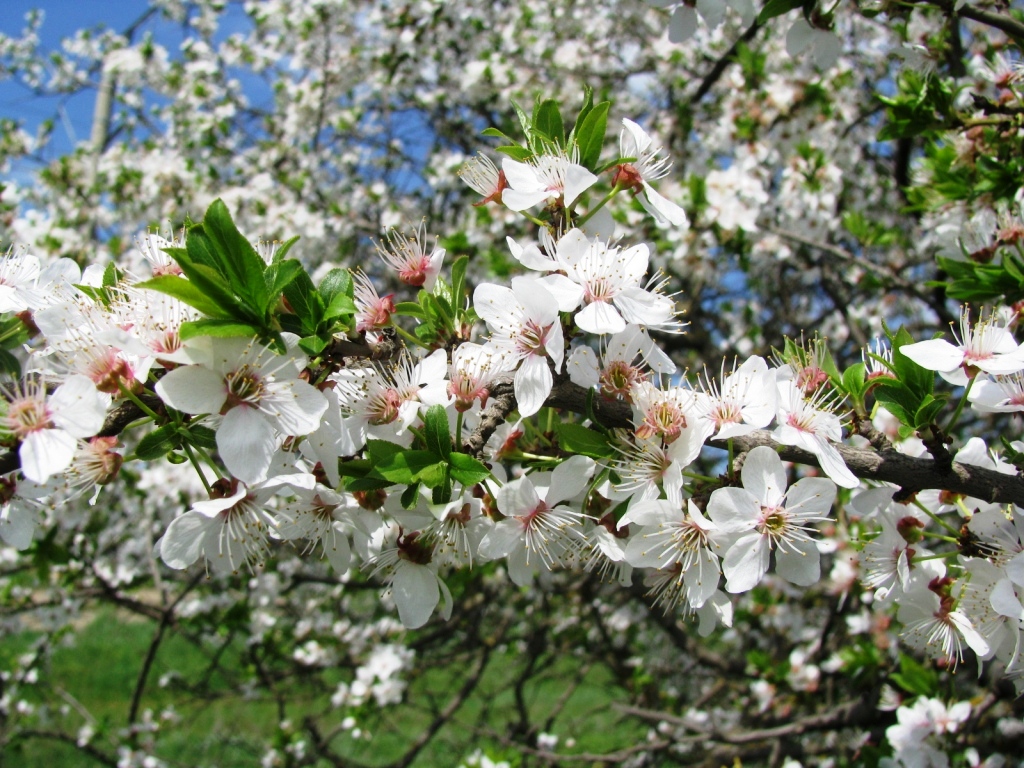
315	417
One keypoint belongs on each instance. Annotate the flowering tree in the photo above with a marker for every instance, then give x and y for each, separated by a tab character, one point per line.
625	411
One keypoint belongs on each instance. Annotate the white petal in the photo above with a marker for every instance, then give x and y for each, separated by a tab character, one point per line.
800	565
246	443
295	405
661	208
17	525
193	389
532	384
567	293
577	181
683	24
78	407
934	354
414	589
540	305
600	317
833	465
764	476
569	478
734	509
518	497
501	540
583	368
46	452
745	563
181	545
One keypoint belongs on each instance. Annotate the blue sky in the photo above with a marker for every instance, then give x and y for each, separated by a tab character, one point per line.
62	18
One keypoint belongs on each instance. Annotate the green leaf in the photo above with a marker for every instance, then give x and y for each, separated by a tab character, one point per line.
158	443
111	275
282	250
185	291
590	137
928	410
202	437
524	120
853	380
313	345
574	438
305	302
466	469
368	483
917	379
775	8
238	260
410	309
547	120
405	467
340	306
382	450
522	154
915	678
278	277
337	282
498	135
9	364
588	105
213	286
433	475
899	400
436	430
222	329
459	281
355	468
411	496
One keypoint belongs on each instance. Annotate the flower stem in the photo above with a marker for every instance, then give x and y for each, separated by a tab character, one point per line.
409	337
960	406
936	518
125	392
199	469
601	204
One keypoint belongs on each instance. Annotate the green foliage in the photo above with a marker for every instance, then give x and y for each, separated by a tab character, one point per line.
574	438
910	396
229	283
923	106
971	281
915	678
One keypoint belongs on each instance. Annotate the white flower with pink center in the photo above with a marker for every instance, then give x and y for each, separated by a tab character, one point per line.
809	424
667	414
545	178
258	392
381	402
765	517
609	279
47	425
1004	394
373	311
18	274
538	531
410	258
525	329
743	402
473	370
416	588
987	346
229	531
648	166
685	542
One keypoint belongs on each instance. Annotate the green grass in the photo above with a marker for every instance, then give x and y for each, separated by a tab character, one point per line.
98	673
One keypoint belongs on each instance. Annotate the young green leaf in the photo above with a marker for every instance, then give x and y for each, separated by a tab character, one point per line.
436	430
